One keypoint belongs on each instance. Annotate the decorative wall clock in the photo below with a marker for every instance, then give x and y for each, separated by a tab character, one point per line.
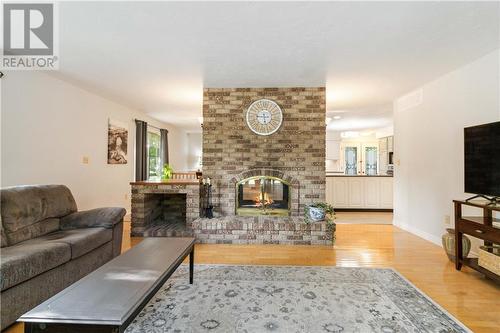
264	117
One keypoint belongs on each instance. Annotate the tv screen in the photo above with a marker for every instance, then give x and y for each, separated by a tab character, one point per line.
482	159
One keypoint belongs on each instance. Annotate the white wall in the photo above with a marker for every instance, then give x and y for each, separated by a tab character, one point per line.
429	143
48	125
194	151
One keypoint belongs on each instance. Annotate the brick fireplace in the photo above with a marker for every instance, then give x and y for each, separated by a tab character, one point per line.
165	209
294	155
231	151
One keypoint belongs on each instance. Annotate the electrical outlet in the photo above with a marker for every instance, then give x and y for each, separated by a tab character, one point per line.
447	220
126	196
85	160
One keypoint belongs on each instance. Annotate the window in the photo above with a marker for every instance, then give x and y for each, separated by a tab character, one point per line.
154	160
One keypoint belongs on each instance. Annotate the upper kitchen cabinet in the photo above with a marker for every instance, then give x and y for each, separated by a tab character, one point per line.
333	146
359	158
390	144
386	146
333	150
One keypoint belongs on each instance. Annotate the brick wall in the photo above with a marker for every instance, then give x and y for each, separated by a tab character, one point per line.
297	149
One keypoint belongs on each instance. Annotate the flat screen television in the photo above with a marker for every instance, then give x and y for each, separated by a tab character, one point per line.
482	159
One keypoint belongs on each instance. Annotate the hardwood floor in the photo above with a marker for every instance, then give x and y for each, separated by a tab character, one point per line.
363	218
466	295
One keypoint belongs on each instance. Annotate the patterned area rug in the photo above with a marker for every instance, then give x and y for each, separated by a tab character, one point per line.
291	299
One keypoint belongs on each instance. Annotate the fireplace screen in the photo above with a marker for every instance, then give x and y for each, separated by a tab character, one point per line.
262	196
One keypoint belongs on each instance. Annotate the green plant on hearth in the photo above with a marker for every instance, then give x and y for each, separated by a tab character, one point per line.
167	172
320	211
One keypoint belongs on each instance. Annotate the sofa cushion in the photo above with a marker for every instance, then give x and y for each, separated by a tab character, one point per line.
105	217
33	231
3	242
2	235
81	241
24	206
25	260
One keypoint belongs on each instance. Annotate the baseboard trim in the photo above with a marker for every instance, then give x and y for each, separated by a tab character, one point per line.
417	232
364	210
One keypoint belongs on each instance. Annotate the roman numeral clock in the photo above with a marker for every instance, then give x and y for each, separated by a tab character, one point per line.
264	117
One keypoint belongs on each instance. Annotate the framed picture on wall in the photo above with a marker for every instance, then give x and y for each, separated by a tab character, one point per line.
117	142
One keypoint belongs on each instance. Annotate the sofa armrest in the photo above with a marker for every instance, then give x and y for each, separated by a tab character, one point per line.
99	217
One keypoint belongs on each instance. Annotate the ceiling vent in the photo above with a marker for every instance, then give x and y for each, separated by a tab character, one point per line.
410	100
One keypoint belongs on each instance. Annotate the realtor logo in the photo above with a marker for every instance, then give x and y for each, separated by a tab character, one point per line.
28	36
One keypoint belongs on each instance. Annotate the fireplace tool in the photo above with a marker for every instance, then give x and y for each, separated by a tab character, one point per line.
207	202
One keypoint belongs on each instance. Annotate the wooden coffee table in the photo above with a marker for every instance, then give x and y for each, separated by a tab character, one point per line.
108	299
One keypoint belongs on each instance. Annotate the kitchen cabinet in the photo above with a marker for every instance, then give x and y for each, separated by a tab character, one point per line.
390	144
372	192
359	158
386	146
359	192
355	192
338	190
386	192
382	144
332	150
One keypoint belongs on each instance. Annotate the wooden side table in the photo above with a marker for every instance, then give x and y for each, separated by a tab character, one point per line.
477	226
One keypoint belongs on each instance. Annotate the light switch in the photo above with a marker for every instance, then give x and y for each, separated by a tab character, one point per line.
85	160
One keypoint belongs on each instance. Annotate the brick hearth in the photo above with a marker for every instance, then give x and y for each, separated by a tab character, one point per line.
262	230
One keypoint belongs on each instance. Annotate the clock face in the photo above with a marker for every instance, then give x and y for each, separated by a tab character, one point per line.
264	117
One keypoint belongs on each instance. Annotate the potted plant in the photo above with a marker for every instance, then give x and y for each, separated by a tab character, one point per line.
319	211
167	172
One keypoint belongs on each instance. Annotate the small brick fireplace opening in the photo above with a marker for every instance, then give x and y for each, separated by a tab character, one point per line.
165	215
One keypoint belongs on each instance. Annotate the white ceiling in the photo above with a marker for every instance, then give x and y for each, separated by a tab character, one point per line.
158	56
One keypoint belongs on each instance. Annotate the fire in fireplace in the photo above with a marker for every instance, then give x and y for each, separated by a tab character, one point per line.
262	195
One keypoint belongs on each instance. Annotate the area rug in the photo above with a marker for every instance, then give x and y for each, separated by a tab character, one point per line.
291	299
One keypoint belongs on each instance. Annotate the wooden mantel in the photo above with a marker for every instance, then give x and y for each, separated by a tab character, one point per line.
168	182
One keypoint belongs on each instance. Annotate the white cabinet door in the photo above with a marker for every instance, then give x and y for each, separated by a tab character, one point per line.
372	192
382	145
340	192
383	162
390	143
386	192
356	192
332	150
329	195
350	158
369	158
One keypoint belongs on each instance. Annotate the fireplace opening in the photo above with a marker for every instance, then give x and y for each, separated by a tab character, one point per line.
165	215
262	195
